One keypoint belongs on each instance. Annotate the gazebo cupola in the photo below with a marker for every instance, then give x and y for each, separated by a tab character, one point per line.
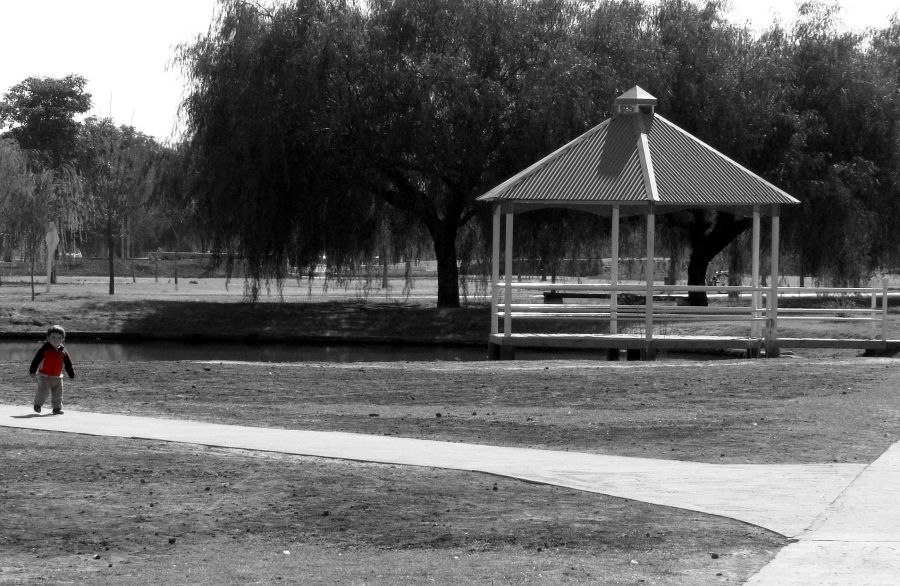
635	100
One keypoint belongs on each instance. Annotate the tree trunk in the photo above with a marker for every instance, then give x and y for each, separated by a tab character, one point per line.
448	272
698	263
674	261
384	267
111	251
735	269
706	243
32	275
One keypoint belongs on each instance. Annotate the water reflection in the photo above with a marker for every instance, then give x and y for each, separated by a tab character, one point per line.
86	351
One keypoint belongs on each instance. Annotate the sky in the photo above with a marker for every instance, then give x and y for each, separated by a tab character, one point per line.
855	15
124	48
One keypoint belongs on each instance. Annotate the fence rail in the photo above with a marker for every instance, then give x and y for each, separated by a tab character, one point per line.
656	306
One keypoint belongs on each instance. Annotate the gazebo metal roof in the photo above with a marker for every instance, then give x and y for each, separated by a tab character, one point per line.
632	160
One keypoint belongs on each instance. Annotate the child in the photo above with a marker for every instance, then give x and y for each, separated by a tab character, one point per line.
51	358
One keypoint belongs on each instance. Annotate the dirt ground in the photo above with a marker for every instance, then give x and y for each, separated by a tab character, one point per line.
80	509
118	511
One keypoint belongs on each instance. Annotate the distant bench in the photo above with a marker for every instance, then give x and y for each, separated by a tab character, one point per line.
172	255
555	296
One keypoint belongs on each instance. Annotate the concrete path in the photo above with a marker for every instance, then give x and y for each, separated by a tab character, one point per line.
845	516
856	540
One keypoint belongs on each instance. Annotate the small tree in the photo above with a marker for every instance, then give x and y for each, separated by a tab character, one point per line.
41	111
14	183
33	206
116	164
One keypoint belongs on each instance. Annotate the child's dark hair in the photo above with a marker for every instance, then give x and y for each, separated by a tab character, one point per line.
56	330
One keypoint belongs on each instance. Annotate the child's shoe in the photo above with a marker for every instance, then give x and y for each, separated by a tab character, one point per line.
37	408
57	411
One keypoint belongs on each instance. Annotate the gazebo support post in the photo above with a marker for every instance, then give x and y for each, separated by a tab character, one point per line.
772	350
507	352
753	351
493	347
647	353
613	353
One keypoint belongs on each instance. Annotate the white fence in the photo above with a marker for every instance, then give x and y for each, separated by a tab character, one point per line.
653	308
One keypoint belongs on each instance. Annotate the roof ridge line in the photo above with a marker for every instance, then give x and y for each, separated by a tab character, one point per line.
643	149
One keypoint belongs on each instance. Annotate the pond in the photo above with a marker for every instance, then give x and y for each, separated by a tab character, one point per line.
88	351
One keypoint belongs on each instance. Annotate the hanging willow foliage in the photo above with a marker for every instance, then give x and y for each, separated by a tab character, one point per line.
305	118
32	200
265	148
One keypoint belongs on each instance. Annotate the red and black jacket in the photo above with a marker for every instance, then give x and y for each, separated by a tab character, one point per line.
52	361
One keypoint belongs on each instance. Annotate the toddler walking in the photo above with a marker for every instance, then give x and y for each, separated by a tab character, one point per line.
47	368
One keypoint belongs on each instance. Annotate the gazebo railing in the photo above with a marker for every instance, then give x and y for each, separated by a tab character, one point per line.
747	305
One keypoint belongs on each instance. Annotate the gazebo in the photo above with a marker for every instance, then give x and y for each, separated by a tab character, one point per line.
635	163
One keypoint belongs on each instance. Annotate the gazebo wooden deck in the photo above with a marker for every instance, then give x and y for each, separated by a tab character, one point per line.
639	163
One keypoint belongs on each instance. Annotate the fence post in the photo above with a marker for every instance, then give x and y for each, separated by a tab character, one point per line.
772	349
614	273
648	277
495	270
884	309
755	294
507	351
494	348
873	312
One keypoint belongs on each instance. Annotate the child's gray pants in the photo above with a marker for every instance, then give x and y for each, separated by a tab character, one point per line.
49	385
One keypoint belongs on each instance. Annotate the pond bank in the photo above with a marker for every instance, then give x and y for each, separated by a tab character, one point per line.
202	321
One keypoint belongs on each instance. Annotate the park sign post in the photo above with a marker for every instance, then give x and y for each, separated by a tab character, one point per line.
51	239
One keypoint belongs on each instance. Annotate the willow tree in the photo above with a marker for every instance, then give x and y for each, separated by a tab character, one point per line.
885	65
30	200
116	165
723	85
303	118
41	115
33	209
459	95
172	209
843	151
14	184
270	168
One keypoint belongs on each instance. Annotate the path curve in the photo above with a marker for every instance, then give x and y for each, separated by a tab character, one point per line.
844	516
